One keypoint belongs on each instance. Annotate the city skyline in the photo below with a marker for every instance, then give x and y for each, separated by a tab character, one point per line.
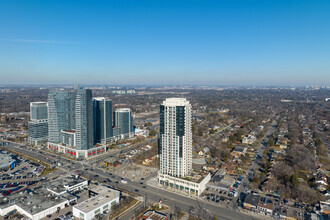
165	43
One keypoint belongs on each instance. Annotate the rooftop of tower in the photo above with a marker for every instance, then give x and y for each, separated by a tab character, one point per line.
176	102
101	98
123	110
38	103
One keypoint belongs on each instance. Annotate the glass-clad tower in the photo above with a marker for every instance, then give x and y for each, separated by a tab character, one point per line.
123	119
102	120
84	119
61	113
38	110
175	141
38	124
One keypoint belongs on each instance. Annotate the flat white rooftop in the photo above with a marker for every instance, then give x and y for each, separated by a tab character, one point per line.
38	103
123	110
105	195
5	160
102	98
61	184
34	200
176	102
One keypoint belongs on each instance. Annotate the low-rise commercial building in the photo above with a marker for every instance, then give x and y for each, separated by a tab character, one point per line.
66	184
193	184
6	162
72	151
221	181
101	201
251	202
265	206
35	203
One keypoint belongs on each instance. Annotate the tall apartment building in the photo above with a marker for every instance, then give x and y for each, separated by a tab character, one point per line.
102	120
84	119
175	143
38	124
72	129
123	119
61	113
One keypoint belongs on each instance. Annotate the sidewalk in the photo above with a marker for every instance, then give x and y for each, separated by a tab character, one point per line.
154	183
254	214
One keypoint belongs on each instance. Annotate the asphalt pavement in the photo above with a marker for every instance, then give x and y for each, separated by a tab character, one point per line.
152	194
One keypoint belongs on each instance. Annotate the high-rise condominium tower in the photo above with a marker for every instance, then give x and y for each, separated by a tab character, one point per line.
38	110
124	120
102	120
175	142
84	119
38	124
61	113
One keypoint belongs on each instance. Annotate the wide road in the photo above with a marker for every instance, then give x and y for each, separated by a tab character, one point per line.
151	194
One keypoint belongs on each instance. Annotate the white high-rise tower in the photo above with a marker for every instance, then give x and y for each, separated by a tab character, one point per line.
175	143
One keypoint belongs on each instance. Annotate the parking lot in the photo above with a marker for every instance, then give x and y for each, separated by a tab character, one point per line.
24	169
219	197
25	173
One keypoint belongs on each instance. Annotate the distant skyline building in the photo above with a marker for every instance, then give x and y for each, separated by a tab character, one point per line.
38	124
84	119
103	131
61	113
175	143
123	119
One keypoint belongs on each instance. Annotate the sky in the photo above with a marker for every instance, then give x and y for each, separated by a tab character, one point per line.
156	42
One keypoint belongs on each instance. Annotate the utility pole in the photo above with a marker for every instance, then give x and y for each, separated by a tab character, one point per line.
176	212
144	200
